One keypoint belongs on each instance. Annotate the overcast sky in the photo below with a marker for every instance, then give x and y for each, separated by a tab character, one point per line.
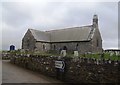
17	17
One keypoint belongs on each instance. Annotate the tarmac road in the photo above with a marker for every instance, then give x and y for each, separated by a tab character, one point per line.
14	74
0	70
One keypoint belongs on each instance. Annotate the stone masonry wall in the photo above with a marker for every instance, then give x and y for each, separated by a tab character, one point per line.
71	46
41	46
77	70
28	42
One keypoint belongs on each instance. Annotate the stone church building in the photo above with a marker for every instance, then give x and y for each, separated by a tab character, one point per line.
83	39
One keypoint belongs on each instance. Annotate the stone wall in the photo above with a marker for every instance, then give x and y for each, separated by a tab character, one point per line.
42	46
77	70
28	42
97	41
82	47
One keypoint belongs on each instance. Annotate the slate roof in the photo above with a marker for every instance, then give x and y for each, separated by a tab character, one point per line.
84	33
40	35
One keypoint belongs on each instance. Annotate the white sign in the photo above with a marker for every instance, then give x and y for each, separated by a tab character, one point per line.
59	64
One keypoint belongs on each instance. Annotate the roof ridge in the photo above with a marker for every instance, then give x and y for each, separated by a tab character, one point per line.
68	28
36	30
78	34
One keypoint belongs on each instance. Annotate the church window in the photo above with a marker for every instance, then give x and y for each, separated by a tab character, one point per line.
43	47
54	47
64	48
76	46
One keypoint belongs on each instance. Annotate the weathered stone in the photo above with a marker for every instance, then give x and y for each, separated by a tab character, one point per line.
92	42
80	71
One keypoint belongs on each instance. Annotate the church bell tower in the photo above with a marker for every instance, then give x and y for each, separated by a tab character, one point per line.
95	21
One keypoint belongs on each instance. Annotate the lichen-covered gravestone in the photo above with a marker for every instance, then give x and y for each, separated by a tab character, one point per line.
63	53
76	53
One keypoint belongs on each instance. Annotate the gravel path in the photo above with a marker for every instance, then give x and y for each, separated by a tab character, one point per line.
14	74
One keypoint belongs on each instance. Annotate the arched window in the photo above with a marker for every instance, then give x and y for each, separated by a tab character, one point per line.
77	46
64	48
54	47
43	47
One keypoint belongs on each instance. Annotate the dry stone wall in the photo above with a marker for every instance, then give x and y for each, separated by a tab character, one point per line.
77	70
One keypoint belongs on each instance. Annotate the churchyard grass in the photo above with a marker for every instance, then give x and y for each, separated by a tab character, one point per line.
106	56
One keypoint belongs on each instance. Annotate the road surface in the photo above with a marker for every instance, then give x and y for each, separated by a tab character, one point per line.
0	70
14	74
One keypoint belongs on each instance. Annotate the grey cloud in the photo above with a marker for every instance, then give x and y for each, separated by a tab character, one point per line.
13	15
19	17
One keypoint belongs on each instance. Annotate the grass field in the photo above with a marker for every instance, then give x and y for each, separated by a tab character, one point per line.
105	56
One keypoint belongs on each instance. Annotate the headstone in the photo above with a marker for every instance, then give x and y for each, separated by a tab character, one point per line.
75	58
59	57
117	53
97	61
115	63
63	53
46	68
111	53
76	53
109	61
28	55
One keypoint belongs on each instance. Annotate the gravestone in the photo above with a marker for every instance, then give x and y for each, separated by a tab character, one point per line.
75	58
59	57
97	61
76	53
63	53
111	54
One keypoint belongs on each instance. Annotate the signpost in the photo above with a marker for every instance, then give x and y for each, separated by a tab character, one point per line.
59	64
